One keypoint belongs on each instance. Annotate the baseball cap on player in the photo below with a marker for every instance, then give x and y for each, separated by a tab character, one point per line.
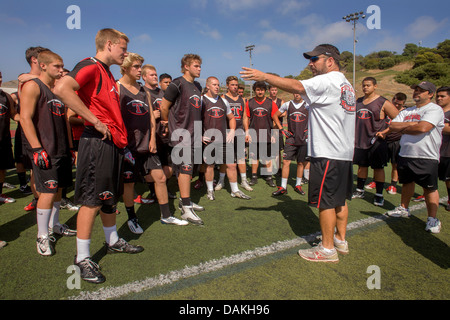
326	49
425	85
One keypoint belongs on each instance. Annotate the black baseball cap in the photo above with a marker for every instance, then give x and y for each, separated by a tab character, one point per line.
425	85
326	49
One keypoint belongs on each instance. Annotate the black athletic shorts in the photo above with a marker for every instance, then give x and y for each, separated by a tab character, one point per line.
330	183
99	170
444	169
164	154
144	163
424	172
295	153
6	156
186	159
393	151
218	153
375	157
59	175
261	151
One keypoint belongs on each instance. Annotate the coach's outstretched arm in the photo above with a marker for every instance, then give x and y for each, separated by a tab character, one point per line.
285	84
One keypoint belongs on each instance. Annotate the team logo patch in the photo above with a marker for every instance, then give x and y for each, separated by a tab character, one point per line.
216	112
128	174
3	109
157	104
260	112
137	107
105	195
195	101
297	116
51	184
348	101
56	107
364	114
186	167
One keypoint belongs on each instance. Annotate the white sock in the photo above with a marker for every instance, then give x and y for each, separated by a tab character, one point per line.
243	177
111	235
234	186
299	181
306	173
222	178
83	246
54	218
338	241
284	183
329	250
43	218
210	185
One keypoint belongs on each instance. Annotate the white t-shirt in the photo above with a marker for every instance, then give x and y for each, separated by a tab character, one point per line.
332	111
285	106
425	145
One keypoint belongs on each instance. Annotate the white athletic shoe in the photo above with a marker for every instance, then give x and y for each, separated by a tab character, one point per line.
433	225
399	212
6	199
175	221
240	194
210	195
44	245
134	226
246	186
219	186
187	213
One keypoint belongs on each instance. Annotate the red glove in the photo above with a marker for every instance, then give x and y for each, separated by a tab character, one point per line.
41	158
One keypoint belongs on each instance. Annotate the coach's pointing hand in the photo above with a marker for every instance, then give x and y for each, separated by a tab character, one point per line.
252	74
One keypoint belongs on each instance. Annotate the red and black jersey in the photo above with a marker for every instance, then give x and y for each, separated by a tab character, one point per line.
49	119
99	93
156	98
368	121
297	120
260	115
237	107
136	116
186	108
5	118
214	117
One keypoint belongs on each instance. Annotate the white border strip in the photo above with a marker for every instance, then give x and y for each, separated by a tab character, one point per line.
214	265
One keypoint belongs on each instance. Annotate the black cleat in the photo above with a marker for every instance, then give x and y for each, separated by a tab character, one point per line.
121	246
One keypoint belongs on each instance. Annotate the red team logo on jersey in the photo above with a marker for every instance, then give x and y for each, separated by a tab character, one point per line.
215	112
137	107
364	114
195	101
51	184
105	195
3	109
348	101
297	117
157	104
56	107
260	112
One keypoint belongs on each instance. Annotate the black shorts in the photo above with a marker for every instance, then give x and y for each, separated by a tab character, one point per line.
218	153
239	148
164	151
330	183
444	169
6	155
185	159
99	170
393	151
144	163
263	151
295	153
424	172
18	148
59	175
375	157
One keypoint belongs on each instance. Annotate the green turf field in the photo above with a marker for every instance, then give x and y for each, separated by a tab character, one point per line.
243	252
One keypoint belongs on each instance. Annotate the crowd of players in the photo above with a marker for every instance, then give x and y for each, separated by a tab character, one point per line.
120	132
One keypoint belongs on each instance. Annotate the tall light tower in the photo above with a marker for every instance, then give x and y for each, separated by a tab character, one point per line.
249	50
354	17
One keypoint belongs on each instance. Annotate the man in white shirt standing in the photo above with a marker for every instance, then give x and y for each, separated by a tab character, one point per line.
330	144
421	127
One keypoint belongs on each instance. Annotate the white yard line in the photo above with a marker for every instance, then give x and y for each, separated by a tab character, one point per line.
214	265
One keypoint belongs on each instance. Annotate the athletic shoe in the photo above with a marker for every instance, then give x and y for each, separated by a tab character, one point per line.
240	194
433	225
299	190
447	207
391	190
8	185
26	190
399	212
317	254
121	246
378	200
219	186
44	245
305	181
341	247
210	195
371	185
194	206
67	204
31	206
187	213
6	199
171	195
141	200
270	182
3	244
134	226
253	181
419	199
89	271
198	185
279	192
175	221
245	185
63	230
358	194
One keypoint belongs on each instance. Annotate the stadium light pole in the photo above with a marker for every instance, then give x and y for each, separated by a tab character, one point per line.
354	17
249	50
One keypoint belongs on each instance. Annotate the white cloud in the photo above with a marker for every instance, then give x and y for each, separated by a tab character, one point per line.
262	48
206	30
292	6
424	26
143	38
292	40
241	4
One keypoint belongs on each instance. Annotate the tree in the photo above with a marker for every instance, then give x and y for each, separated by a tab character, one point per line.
410	50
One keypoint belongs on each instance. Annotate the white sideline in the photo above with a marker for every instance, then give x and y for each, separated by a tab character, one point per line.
214	265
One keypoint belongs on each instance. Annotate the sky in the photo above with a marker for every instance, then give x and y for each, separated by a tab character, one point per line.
217	30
